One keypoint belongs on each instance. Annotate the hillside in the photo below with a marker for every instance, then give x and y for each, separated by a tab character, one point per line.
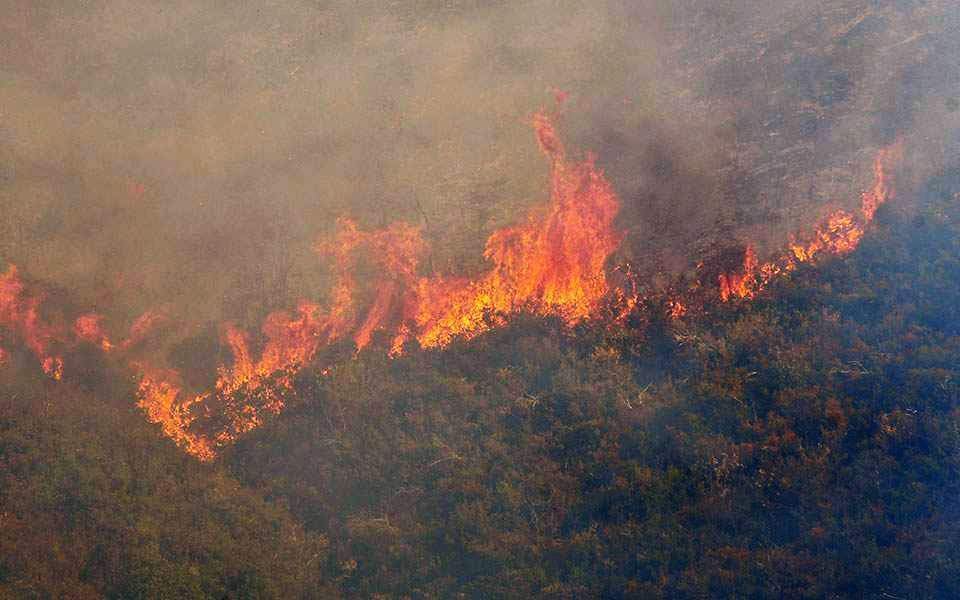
804	444
94	503
800	444
468	299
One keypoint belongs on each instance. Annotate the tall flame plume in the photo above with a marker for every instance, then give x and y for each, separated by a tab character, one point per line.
550	263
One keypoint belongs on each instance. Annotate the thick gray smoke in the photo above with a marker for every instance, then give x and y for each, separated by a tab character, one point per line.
188	153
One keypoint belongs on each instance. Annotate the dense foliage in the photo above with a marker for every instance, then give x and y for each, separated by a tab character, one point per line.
803	444
94	502
806	444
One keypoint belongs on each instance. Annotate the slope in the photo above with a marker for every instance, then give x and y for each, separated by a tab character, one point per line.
802	444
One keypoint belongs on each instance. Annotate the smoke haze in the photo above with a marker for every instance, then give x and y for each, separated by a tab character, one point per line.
187	154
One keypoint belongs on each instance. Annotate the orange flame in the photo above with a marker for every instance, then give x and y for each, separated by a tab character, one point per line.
552	263
740	284
676	309
839	234
158	395
89	329
291	343
20	312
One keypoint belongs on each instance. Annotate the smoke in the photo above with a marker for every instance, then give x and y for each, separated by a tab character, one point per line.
187	155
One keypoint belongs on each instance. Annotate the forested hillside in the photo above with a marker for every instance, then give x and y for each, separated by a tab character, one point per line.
94	503
480	299
805	443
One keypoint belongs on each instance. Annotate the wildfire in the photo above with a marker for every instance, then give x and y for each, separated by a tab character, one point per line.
553	262
159	397
740	284
292	342
839	234
20	313
882	190
89	328
676	309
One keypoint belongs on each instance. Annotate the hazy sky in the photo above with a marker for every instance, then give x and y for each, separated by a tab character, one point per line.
190	152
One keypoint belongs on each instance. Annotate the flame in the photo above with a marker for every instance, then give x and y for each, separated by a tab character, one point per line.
551	263
676	309
292	342
89	328
740	284
394	252
159	396
840	233
20	312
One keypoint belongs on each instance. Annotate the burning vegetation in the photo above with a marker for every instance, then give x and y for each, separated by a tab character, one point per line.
553	263
306	299
20	314
839	234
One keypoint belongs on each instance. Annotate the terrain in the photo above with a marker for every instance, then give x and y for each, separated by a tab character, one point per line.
458	299
802	443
